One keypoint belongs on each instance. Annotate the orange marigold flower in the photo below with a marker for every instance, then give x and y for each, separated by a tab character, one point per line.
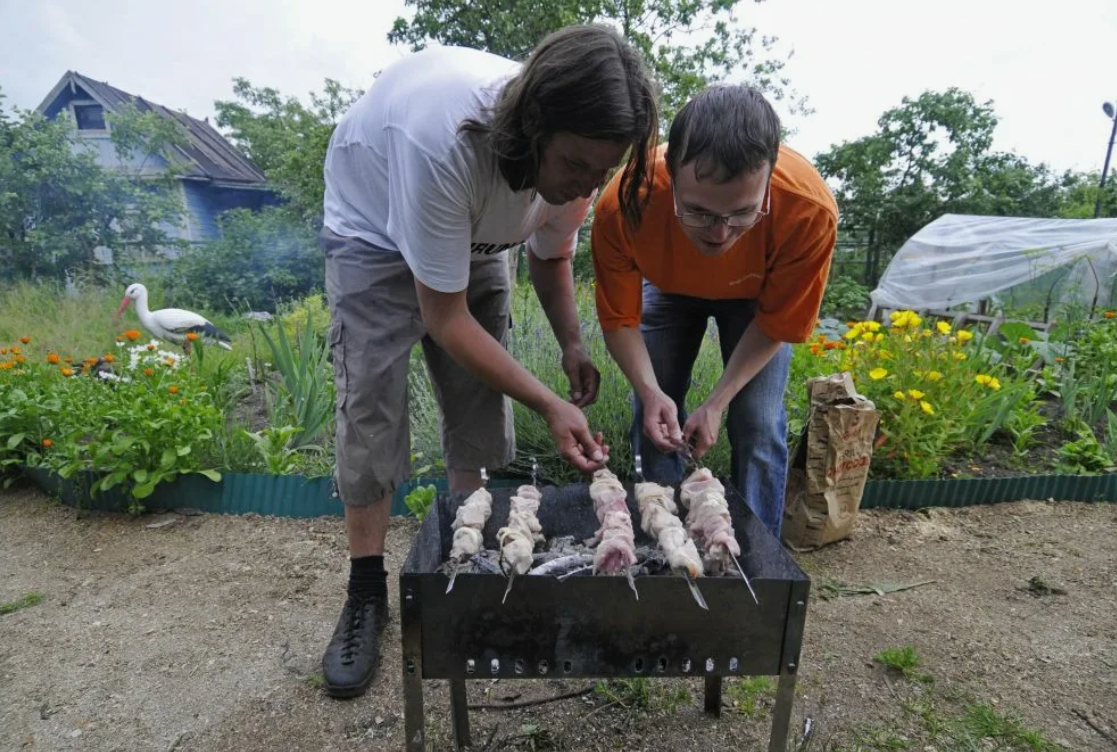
119	339
15	349
25	340
6	365
148	371
1024	340
20	359
191	336
1110	314
169	361
132	334
1059	359
68	359
108	358
53	358
67	372
3	351
47	443
172	389
151	347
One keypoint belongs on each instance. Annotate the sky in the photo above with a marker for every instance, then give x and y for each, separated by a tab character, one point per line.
1047	67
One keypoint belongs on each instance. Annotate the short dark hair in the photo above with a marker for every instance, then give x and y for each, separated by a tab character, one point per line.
587	81
727	131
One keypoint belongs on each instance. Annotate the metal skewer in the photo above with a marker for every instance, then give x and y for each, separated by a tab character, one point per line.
744	576
534	472
631	582
511	579
694	590
457	567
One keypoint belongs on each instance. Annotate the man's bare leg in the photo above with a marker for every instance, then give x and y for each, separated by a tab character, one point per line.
367	528
464	481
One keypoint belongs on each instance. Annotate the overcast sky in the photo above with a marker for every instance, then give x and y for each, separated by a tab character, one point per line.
1048	67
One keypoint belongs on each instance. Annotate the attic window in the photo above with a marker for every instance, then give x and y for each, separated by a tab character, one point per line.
90	117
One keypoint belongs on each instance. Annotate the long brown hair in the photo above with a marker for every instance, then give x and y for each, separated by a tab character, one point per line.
585	80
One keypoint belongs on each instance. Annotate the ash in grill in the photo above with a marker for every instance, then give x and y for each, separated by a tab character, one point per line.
574	624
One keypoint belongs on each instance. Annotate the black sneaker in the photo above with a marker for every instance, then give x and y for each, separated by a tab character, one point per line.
349	664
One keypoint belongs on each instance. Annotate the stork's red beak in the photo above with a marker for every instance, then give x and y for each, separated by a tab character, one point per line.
123	304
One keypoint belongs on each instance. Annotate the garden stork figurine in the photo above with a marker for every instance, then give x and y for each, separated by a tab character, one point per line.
172	324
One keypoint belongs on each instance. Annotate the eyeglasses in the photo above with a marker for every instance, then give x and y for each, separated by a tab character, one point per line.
743	219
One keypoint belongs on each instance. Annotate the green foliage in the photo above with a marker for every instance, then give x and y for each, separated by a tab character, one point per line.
931	155
655	27
306	395
287	139
27	600
748	691
904	659
273	444
57	204
845	298
261	260
642	694
420	500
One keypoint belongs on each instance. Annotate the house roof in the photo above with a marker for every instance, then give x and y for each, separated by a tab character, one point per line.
207	154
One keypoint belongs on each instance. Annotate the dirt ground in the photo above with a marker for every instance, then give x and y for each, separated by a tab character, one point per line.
197	632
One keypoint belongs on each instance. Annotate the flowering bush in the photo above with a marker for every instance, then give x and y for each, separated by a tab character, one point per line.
137	429
936	389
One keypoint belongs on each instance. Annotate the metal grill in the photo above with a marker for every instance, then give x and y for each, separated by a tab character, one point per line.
595	627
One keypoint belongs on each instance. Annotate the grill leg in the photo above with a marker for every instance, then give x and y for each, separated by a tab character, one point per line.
412	659
459	712
713	695
781	715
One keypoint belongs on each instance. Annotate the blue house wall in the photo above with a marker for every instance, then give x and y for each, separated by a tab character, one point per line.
205	202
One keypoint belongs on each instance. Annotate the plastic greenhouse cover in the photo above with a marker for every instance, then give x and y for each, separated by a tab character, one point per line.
963	259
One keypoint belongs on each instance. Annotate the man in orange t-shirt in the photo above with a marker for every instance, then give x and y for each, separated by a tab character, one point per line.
738	228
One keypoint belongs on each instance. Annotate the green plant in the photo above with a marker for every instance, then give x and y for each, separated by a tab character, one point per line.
305	398
420	500
845	298
904	659
1084	455
1022	425
273	444
746	692
642	694
983	721
24	601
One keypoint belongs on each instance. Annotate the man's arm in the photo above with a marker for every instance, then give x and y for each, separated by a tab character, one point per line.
451	325
553	280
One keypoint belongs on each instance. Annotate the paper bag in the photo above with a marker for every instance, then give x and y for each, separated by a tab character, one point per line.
827	474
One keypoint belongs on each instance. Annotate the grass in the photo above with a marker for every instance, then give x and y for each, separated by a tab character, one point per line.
643	695
943	717
748	691
25	601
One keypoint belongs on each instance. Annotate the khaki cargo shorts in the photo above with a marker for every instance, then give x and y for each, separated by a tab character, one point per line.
374	324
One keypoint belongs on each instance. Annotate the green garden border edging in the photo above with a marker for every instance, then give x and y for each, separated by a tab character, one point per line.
235	493
298	496
964	492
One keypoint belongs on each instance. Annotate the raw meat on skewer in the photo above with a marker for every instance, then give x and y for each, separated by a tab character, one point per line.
468	523
518	538
659	520
708	520
616	551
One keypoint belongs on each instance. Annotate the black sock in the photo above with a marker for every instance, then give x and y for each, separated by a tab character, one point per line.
367	578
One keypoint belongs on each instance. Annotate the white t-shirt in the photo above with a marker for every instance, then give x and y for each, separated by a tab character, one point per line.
403	177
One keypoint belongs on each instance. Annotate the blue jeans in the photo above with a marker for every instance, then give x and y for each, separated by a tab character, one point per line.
673	327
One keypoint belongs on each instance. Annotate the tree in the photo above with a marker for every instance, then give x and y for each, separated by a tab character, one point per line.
286	139
662	29
931	156
58	205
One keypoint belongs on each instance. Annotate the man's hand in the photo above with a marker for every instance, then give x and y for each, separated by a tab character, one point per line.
584	376
702	428
661	421
572	436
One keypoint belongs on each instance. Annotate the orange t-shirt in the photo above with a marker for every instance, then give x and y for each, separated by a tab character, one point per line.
782	261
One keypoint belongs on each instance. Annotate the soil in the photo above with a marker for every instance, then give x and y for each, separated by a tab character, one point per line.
188	632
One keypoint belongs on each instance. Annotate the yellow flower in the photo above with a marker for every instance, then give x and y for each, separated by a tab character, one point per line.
994	384
925	406
878	373
915	394
907	338
905	319
943	327
899	395
1024	340
853	333
867	336
878	337
983	379
926	332
934	376
872	326
964	335
959	356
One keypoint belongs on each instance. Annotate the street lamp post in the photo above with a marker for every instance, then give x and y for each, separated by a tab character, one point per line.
1111	113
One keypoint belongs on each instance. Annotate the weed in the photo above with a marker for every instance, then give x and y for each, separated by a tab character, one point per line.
26	601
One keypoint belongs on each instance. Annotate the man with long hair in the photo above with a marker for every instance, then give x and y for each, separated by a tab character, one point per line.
738	228
451	158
